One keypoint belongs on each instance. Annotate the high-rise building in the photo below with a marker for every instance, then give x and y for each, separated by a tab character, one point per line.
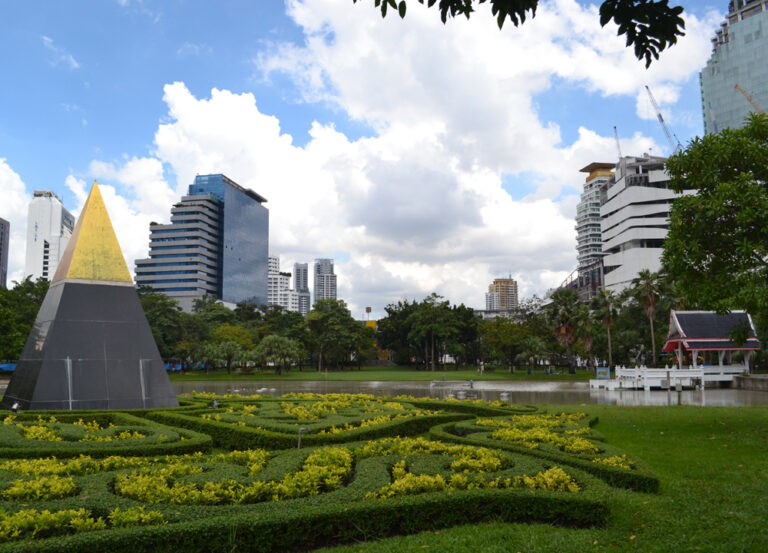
278	284
49	226
738	58
588	234
325	280
501	295
635	219
299	298
5	232
215	244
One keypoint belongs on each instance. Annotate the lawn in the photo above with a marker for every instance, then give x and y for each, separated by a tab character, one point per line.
712	464
387	374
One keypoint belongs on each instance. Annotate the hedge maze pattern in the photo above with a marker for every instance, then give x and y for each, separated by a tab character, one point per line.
198	478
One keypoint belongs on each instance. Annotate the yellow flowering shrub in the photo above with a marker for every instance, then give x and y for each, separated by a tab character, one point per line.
42	487
619	461
136	516
30	523
38	432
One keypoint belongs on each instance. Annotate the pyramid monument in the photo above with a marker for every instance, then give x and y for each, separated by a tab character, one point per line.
91	346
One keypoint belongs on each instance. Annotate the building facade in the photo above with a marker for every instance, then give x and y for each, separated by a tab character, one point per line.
5	234
49	226
635	219
325	280
216	243
501	295
738	58
300	299
278	283
589	242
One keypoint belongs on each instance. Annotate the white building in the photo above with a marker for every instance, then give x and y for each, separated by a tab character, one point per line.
635	219
49	226
278	283
589	241
325	280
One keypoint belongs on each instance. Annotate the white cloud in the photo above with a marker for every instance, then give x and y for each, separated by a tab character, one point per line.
59	55
13	209
419	207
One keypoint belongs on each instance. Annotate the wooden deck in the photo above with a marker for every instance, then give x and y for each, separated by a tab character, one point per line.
644	378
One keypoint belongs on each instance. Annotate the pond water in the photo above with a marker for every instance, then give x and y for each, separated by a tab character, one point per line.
559	393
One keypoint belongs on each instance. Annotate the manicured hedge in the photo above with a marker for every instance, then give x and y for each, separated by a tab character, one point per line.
641	478
161	440
242	437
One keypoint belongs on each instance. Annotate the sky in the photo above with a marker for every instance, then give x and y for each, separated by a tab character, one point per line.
422	157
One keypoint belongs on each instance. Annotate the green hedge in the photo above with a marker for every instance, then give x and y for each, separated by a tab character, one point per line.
641	478
228	435
162	439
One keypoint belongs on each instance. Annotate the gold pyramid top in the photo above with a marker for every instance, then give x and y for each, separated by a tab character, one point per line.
93	252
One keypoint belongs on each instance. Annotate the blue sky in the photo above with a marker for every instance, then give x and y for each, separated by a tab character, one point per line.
84	83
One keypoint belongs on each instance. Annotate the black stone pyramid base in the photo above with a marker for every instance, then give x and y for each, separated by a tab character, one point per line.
91	348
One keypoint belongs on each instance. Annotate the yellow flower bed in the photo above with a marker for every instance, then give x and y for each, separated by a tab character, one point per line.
467	458
531	430
42	487
407	483
620	461
30	523
324	470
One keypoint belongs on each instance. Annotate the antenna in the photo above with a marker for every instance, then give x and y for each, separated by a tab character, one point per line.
618	144
675	147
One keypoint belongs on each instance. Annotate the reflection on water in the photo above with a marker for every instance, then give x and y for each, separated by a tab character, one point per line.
558	393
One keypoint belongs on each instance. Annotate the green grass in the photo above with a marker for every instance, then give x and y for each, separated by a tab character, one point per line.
713	467
385	374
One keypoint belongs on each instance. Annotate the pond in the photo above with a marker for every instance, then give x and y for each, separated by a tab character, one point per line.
559	393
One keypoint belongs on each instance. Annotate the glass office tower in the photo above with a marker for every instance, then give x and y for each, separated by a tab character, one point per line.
738	58
217	243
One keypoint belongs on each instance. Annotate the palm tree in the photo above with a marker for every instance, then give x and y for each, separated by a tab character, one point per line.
586	323
563	316
534	350
605	305
648	286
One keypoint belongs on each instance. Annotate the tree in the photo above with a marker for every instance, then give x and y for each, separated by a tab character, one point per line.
164	316
649	25
534	349
333	331
212	312
231	342
279	350
563	315
18	311
431	324
605	306
586	329
393	330
716	251
504	338
648	285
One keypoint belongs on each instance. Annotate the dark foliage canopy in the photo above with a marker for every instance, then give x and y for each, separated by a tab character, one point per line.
650	26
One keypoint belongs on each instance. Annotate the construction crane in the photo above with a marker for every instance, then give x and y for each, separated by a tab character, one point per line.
618	144
674	144
750	99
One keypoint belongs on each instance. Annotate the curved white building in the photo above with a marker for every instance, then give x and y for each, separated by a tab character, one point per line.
635	219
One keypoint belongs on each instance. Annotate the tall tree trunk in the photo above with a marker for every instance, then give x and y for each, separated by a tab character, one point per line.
571	367
432	334
653	342
610	349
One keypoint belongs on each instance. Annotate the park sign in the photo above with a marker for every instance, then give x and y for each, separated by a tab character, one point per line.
91	346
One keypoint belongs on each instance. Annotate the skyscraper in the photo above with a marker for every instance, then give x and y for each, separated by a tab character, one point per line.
635	219
5	231
589	243
501	295
49	227
325	280
278	283
299	298
215	244
738	58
